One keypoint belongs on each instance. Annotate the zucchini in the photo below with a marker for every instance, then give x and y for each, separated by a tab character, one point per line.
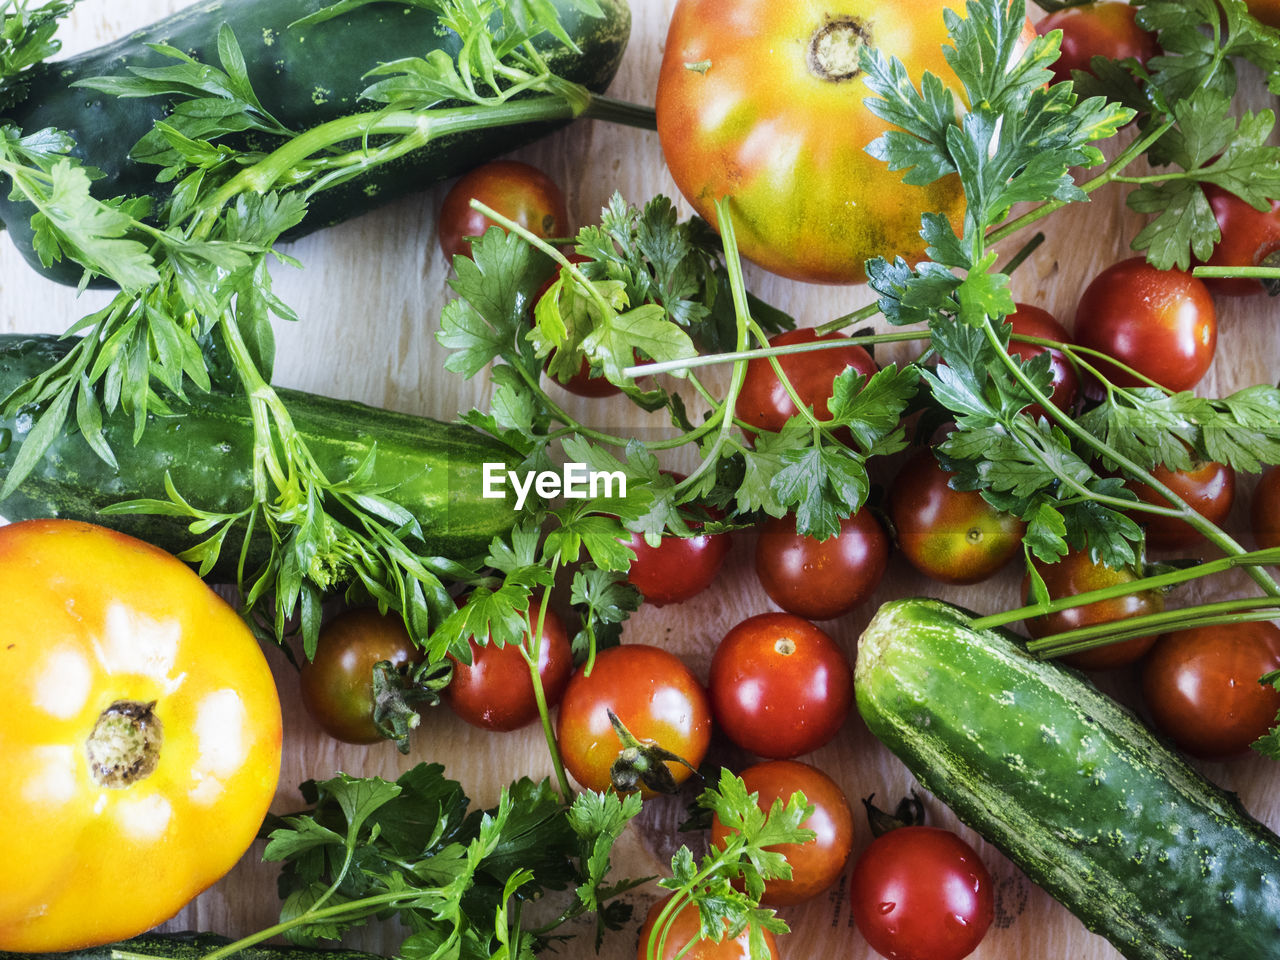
191	946
305	76
432	469
1072	787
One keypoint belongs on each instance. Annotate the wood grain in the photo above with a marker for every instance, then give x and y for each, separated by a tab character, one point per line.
370	296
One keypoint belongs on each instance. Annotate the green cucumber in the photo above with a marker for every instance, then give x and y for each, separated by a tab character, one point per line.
434	470
190	946
1073	787
304	76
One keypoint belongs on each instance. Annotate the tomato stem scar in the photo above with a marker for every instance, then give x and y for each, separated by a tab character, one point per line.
124	746
835	49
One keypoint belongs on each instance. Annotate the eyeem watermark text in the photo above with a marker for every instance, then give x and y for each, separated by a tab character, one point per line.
573	482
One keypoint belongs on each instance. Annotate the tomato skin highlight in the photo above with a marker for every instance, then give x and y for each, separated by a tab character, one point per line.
1104	29
516	190
337	683
1249	236
95	853
818	863
655	696
820	580
1267	11
1160	323
764	401
741	112
687	926
1208	487
779	686
953	536
921	893
1075	574
495	691
1201	687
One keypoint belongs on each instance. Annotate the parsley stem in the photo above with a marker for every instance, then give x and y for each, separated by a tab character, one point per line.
1211	531
1160	581
533	657
1238	610
862	313
1260	273
713	359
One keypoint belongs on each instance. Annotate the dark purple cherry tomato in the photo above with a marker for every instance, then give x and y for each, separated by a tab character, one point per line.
1030	321
1208	487
1103	29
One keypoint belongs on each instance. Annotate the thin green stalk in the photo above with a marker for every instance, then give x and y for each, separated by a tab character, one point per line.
862	313
533	657
1160	581
1252	273
1205	615
734	356
1209	530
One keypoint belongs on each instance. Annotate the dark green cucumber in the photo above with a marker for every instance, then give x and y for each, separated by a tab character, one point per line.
304	76
432	469
191	946
1074	788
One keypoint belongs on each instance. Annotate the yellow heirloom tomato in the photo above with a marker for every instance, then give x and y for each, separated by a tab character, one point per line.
139	736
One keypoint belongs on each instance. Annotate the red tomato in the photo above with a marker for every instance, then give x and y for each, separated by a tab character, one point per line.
1031	321
655	696
1201	686
687	926
1249	236
516	190
1104	29
763	101
1075	574
678	568
1160	323
496	691
950	535
764	401
817	864
821	579
337	683
779	686
1208	487
921	893
1264	509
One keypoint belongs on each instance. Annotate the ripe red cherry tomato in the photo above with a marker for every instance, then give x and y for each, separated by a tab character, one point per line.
1104	29
1249	236
817	864
921	893
779	686
496	691
1201	686
655	696
950	535
516	190
678	568
1208	487
1264	509
1030	321
821	579
337	684
687	926
1160	323
764	401
1075	574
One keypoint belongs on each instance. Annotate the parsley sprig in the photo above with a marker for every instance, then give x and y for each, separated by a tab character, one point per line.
195	307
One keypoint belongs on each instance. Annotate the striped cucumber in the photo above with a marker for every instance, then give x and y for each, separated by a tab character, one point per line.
432	469
1073	787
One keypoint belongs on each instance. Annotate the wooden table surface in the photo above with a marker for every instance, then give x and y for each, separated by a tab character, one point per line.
370	297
